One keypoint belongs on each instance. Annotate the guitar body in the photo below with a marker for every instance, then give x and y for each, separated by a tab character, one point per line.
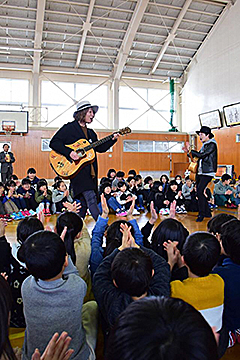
193	168
67	169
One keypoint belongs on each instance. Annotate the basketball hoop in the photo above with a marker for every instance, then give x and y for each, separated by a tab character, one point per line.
8	129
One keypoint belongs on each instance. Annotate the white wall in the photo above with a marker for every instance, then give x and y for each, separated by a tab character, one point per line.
213	79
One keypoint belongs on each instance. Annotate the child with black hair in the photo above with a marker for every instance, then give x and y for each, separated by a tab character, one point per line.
139	192
59	196
31	175
214	225
19	273
132	173
57	347
111	174
161	328
55	180
230	273
174	230
131	182
54	292
43	197
78	244
113	235
16	180
18	199
28	193
173	193
157	196
202	290
111	200
179	181
224	193
119	177
125	197
9	210
187	189
129	273
165	181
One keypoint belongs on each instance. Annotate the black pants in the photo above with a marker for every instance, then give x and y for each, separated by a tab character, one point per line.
203	208
88	201
6	176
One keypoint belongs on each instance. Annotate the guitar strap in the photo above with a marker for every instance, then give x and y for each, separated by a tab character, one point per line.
84	129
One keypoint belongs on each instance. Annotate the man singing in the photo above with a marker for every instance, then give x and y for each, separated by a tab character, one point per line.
206	169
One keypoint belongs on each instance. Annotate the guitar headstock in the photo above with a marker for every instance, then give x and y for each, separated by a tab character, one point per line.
124	131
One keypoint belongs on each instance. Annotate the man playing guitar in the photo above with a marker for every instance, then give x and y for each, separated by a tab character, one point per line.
84	183
206	169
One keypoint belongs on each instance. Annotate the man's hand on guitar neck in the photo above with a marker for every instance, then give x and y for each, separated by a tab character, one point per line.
116	136
74	155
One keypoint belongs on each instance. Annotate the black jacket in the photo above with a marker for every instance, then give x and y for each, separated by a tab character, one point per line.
68	134
208	154
5	166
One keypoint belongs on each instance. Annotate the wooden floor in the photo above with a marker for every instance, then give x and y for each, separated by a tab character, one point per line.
189	221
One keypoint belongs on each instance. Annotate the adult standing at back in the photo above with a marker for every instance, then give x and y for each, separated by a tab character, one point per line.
6	160
84	184
207	168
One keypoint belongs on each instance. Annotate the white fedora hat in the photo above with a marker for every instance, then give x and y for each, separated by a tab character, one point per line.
82	105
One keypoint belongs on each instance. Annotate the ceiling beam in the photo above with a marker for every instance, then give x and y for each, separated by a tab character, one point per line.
38	35
86	28
128	38
171	35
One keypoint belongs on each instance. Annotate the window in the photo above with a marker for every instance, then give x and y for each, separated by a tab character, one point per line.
14	93
153	146
133	105
60	101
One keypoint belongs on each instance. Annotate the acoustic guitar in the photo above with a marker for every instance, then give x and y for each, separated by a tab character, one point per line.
193	166
68	169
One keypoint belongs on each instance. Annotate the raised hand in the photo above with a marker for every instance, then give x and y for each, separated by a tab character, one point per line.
74	207
57	349
154	215
173	209
172	251
4	275
40	216
105	210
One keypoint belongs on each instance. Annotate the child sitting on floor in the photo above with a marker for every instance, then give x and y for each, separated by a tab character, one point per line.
28	193
60	195
43	197
230	272
173	193
53	297
125	197
111	200
9	209
129	273
157	196
203	290
31	175
18	199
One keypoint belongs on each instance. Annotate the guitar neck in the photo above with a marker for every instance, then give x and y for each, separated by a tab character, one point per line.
99	142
